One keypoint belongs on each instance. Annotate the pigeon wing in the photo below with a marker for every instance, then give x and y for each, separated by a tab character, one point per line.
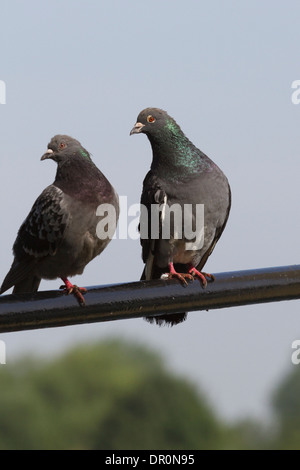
39	236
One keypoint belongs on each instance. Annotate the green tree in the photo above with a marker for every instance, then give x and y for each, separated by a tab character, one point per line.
286	405
111	395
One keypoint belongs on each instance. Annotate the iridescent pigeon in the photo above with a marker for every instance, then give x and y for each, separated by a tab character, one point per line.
60	237
193	197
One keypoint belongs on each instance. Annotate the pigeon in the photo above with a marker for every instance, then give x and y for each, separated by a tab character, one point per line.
185	204
60	235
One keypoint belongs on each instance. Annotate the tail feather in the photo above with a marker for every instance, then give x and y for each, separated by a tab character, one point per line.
162	320
167	320
30	284
21	277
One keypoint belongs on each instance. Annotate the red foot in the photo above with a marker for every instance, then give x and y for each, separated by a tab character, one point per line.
201	276
181	276
69	288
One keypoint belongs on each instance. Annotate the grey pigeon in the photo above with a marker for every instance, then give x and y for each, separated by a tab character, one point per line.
181	177
59	237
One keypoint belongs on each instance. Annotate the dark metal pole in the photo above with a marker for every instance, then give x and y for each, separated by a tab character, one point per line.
138	299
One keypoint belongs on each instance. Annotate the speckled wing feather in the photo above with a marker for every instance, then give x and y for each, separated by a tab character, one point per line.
40	235
43	229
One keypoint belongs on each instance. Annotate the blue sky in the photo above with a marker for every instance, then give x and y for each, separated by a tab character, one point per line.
223	70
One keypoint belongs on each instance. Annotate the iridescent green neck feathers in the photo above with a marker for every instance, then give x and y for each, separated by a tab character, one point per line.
175	153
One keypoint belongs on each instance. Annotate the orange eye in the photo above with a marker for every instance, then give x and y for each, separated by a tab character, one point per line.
62	145
150	118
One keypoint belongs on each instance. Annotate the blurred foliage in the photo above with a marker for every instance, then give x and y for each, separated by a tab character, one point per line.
286	405
106	396
115	396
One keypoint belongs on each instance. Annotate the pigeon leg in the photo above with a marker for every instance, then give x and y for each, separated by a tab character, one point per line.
201	276
181	276
69	288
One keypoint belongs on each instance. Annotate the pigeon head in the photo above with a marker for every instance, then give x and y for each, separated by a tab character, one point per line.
153	122
172	151
62	147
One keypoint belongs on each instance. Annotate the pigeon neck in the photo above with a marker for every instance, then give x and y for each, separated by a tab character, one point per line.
80	178
175	153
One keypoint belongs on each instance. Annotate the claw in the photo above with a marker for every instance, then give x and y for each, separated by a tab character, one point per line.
69	288
181	276
203	277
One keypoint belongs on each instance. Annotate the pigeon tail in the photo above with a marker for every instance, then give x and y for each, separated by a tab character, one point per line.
30	284
167	320
173	318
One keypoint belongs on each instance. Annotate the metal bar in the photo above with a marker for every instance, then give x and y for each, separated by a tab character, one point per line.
138	299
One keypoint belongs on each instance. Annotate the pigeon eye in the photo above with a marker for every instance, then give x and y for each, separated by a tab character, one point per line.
150	118
62	145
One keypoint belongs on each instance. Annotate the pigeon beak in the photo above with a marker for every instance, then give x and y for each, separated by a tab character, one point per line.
137	128
47	154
